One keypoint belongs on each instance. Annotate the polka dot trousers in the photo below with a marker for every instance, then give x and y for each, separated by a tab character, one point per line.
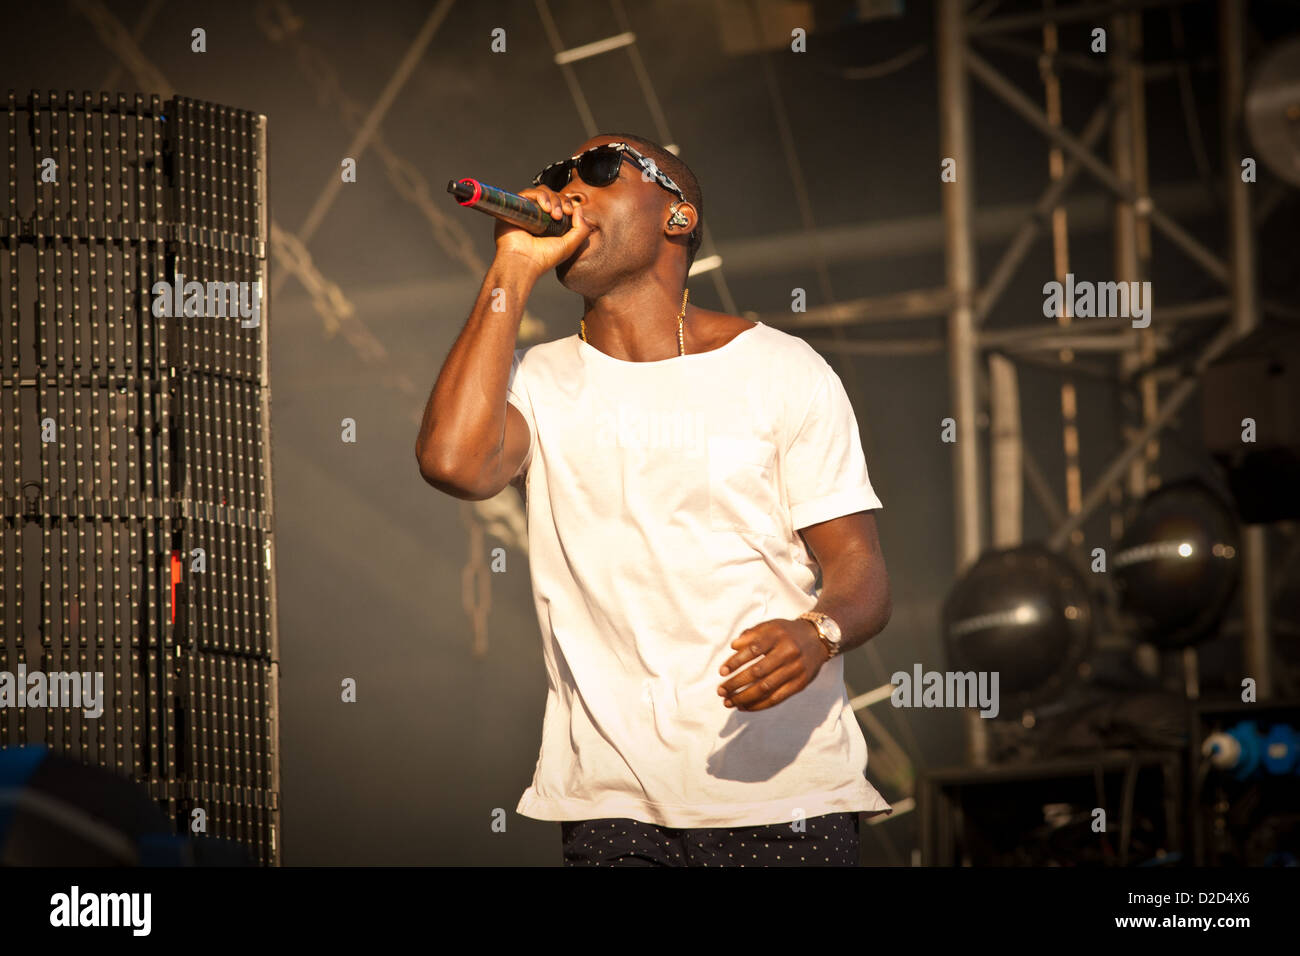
828	840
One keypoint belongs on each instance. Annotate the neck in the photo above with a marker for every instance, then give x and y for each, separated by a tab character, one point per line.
638	325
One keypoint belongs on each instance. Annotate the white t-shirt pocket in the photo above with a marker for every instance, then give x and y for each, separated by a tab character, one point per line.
742	485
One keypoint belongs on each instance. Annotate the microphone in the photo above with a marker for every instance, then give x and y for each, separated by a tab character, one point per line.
510	207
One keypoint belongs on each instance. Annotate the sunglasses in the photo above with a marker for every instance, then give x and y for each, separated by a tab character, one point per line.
599	166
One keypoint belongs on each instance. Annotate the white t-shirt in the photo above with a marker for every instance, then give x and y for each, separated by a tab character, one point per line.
663	500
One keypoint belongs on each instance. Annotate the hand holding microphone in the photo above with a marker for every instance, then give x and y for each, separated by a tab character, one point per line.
536	224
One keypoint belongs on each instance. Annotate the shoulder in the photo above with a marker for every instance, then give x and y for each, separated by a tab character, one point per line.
538	351
795	350
723	327
540	355
795	358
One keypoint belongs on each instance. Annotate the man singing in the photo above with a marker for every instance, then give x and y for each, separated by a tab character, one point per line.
688	476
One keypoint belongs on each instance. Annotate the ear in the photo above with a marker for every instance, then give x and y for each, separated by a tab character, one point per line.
681	210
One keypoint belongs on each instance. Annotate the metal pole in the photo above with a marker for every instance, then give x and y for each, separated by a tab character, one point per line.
882	348
1061	267
889	307
1257	642
1178	397
1070	14
1006	452
1125	252
1049	205
1007	92
959	248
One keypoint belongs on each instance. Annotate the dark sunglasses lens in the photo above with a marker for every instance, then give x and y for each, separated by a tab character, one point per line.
556	177
600	167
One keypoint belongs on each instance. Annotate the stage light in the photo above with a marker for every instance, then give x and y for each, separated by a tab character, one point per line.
1177	567
1026	613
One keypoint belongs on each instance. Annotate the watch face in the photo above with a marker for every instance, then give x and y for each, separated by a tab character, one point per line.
832	630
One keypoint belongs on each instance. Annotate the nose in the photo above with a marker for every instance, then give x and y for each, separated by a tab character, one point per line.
576	191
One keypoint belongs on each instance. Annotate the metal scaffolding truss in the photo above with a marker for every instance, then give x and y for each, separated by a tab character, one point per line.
974	351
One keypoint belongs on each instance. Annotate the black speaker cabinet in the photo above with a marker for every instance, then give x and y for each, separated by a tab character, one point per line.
1257	379
136	544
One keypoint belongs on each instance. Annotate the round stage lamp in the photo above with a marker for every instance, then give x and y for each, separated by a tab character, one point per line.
1272	109
1026	613
1177	565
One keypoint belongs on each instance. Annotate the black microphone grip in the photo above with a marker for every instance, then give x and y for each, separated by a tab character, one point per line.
515	209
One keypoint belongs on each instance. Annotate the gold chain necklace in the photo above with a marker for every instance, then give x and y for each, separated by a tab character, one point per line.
681	316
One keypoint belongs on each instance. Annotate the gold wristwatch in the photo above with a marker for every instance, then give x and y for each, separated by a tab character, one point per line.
827	629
